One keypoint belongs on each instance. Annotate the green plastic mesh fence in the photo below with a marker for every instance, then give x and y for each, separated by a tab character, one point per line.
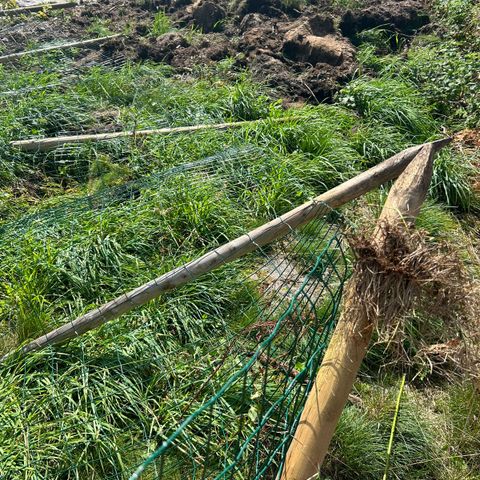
207	383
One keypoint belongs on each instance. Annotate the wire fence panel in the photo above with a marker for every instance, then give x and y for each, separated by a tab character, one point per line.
244	428
206	382
55	262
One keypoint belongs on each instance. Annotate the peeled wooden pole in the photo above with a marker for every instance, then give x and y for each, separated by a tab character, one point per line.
46	144
79	44
353	188
352	336
37	8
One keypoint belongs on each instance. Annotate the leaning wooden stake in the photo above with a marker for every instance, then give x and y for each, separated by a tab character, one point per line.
37	8
80	44
352	336
278	228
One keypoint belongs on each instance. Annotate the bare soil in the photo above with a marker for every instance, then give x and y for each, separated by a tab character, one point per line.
304	54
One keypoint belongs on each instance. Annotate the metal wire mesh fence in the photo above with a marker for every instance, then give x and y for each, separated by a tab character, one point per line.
244	428
209	381
233	170
58	260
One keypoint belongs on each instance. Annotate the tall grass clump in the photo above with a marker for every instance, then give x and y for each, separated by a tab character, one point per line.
360	442
392	103
161	25
453	181
461	406
315	145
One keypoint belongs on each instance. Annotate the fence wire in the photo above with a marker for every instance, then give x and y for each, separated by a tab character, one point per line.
208	382
233	170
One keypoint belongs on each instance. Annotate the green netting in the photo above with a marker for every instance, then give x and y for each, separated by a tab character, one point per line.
233	168
243	430
57	262
207	382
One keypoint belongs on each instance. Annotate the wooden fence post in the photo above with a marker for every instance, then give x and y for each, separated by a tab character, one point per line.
352	336
9	12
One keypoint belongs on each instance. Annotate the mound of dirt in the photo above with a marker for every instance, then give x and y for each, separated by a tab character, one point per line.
74	24
173	48
402	16
315	41
207	15
306	53
300	52
304	57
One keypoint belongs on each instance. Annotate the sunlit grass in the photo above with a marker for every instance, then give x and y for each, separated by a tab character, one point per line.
83	224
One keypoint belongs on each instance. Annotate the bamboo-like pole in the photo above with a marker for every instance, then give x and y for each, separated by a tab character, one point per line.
274	230
352	336
79	44
37	8
46	144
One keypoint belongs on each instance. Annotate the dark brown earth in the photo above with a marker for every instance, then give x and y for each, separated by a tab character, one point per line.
305	54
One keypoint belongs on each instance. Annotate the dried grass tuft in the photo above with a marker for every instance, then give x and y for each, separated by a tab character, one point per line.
412	273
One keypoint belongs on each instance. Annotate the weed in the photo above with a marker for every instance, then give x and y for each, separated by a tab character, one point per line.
100	28
293	4
161	25
448	76
349	3
391	102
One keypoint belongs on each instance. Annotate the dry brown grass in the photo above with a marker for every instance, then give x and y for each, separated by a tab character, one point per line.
413	274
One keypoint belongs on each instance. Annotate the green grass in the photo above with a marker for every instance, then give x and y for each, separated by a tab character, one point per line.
360	444
83	224
161	25
461	405
432	439
349	3
392	103
100	28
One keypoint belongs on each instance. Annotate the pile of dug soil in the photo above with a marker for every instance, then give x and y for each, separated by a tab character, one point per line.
62	26
306	53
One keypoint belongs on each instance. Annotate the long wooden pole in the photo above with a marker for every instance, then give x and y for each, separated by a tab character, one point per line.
278	228
352	336
37	8
79	44
46	144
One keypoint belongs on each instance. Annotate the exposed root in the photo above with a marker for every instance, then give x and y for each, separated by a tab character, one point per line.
412	274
